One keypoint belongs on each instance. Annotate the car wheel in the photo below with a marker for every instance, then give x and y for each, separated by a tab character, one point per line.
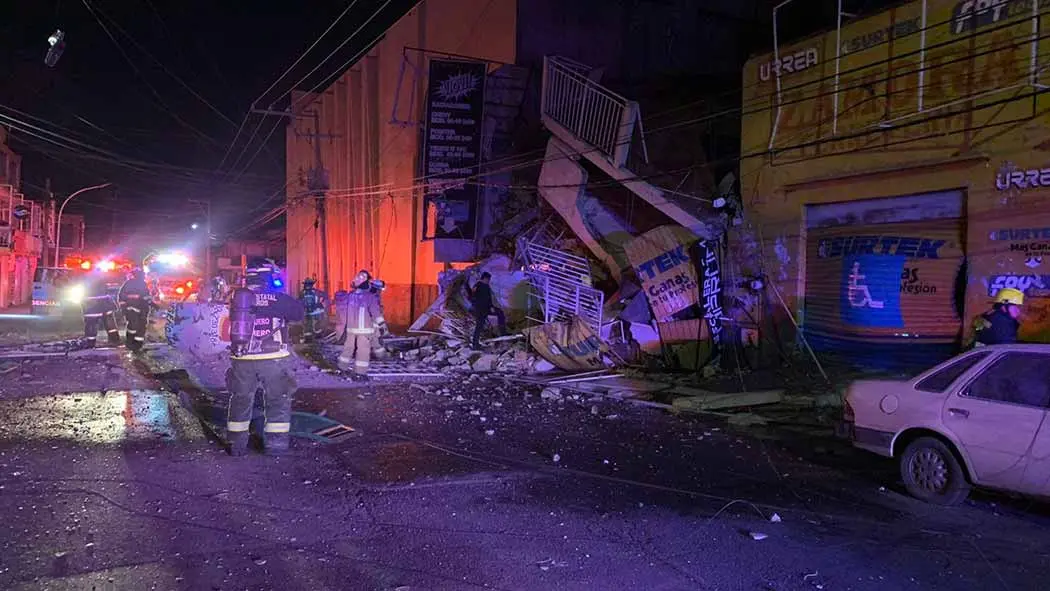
932	473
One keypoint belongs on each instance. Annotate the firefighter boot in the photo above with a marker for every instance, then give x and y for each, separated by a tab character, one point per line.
277	444
238	443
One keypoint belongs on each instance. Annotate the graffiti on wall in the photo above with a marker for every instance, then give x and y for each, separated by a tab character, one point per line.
883	69
1012	255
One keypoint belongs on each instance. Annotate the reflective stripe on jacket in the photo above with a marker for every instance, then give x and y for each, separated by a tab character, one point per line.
363	313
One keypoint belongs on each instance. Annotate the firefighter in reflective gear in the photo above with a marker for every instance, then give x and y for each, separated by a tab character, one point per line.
999	325
363	318
99	310
314	303
134	299
378	350
265	361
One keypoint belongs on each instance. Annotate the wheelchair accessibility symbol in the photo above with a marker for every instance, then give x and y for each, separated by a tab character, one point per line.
858	294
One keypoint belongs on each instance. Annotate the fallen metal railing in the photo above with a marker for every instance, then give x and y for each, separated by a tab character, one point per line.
561	284
588	110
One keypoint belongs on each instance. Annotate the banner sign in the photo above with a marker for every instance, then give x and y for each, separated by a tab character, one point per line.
712	290
571	346
452	147
662	261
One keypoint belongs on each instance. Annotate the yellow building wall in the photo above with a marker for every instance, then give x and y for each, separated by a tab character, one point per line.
374	207
978	115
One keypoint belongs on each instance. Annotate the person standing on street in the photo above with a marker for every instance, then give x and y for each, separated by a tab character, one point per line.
999	325
98	309
483	304
134	299
364	317
264	361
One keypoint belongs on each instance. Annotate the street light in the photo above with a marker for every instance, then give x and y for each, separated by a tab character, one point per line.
58	220
194	226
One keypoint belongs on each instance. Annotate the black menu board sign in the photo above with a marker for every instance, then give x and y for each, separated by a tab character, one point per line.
452	147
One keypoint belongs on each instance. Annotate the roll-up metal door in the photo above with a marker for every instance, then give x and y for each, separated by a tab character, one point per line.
885	294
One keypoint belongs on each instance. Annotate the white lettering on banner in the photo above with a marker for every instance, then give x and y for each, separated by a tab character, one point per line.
713	293
1023	179
795	62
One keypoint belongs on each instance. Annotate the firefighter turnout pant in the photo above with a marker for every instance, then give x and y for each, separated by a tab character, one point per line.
275	378
100	311
136	314
357	350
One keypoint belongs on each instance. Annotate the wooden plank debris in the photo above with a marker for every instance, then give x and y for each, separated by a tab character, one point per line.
700	400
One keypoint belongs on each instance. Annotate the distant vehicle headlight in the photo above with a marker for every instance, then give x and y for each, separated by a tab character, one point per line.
75	294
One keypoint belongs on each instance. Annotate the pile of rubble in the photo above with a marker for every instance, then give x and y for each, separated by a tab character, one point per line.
457	356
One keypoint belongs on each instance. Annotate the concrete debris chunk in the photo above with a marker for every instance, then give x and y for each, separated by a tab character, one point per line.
551	394
485	363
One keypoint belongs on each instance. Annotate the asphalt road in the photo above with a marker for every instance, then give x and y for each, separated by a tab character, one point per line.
464	484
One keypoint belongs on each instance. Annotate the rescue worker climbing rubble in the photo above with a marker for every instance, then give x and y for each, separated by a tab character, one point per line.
260	357
364	317
99	310
134	300
999	325
483	305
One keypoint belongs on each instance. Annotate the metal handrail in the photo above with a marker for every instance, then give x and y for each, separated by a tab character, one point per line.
588	110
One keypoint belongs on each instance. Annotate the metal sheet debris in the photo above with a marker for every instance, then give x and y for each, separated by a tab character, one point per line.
571	346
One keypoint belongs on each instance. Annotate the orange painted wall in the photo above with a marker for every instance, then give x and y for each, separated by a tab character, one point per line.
980	116
374	198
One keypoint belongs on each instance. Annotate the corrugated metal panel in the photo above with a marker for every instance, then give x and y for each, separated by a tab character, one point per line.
885	294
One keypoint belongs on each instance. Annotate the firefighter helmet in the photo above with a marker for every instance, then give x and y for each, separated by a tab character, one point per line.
1009	295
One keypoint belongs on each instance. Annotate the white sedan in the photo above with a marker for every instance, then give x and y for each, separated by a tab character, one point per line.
978	419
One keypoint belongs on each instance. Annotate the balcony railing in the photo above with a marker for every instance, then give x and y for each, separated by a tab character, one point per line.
588	110
561	284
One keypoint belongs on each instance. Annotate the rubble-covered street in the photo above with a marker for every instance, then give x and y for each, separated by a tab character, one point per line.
470	480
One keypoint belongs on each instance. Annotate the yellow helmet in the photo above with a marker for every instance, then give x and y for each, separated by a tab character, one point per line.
1009	295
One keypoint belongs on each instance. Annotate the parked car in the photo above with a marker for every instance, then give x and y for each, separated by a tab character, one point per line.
978	419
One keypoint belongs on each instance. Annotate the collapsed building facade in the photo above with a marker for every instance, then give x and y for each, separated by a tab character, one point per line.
476	129
894	177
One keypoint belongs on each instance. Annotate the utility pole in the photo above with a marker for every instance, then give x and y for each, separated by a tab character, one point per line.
50	221
317	181
205	205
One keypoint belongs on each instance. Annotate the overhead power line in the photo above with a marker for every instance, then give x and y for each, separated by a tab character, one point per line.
173	75
291	109
156	95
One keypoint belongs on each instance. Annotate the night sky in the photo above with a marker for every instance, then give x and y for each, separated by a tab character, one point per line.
155	111
149	95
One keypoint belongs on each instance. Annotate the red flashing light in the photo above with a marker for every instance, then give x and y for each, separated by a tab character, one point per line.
189	284
85	265
180	290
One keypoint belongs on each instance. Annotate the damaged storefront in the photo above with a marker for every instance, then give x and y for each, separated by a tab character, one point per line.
887	215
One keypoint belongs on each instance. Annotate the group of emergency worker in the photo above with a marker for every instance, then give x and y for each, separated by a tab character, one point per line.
99	309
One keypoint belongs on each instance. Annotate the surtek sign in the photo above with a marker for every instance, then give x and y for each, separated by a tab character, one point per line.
662	262
905	246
